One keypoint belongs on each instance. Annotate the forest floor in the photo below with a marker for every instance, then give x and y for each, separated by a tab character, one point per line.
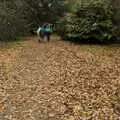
59	81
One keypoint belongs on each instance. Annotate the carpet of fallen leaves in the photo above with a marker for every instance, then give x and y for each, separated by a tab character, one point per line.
60	81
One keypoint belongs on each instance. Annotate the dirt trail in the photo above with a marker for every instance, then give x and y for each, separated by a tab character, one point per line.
59	81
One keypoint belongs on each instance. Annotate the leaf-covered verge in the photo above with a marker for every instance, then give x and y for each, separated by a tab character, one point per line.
60	81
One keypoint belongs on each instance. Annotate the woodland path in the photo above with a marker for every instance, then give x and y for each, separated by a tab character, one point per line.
59	81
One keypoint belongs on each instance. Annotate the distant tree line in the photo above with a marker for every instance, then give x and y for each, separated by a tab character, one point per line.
92	21
76	20
19	17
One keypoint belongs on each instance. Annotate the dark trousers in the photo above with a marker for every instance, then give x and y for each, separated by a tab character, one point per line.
48	34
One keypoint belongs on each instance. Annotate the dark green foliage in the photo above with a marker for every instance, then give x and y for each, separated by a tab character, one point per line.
18	17
91	20
39	12
87	19
12	23
116	4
